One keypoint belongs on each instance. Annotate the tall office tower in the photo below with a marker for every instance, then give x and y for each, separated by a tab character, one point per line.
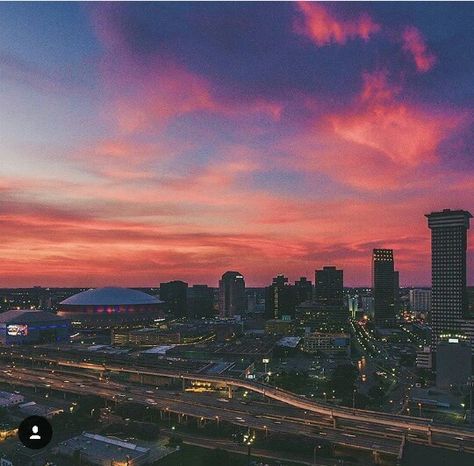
280	299
200	301
304	290
449	304
174	294
420	301
232	298
328	286
396	291
384	281
329	297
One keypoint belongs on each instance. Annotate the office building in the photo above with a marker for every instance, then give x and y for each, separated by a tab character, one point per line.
420	301
303	290
232	298
328	286
453	361
200	302
280	299
384	282
424	358
329	297
174	296
327	343
449	303
280	327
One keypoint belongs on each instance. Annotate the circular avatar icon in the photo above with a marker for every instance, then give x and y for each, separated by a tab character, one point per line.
35	432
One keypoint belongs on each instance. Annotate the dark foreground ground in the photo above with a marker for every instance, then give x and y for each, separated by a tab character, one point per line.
418	455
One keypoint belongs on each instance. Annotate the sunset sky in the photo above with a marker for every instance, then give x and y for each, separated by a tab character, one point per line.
142	143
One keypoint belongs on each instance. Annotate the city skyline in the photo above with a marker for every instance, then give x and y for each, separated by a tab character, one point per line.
151	143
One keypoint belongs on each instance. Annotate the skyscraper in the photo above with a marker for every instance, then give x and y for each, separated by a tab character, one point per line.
304	290
200	301
329	297
175	296
232	298
328	286
384	282
449	304
280	299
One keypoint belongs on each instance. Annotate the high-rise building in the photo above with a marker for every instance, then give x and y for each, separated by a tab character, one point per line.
420	301
232	298
329	297
328	286
384	282
200	301
280	299
303	290
174	294
449	304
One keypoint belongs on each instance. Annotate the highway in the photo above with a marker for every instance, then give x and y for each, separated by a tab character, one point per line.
204	407
346	426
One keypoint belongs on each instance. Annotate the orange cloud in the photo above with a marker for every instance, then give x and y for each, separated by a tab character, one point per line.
323	28
414	44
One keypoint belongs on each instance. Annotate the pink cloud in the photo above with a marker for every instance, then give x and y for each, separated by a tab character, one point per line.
323	28
400	131
414	44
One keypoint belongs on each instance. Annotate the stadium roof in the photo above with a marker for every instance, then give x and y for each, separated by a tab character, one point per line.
16	316
110	296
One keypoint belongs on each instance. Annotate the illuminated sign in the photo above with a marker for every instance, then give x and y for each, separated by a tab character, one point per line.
17	330
453	340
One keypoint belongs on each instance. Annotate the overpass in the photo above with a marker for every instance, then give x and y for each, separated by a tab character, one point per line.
404	423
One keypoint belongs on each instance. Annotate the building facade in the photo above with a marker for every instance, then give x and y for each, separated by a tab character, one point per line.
232	297
328	343
449	304
174	296
384	280
280	299
420	301
329	296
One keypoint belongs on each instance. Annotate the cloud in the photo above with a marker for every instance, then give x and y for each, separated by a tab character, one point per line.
414	44
323	28
400	131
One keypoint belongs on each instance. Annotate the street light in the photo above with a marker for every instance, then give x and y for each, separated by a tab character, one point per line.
265	361
316	447
248	440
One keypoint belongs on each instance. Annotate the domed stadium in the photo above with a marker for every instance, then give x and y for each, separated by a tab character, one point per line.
111	307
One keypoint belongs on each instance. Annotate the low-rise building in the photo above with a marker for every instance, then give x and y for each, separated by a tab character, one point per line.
329	343
10	399
27	326
104	451
280	327
34	409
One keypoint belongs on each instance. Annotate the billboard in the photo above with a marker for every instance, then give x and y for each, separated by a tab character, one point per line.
17	330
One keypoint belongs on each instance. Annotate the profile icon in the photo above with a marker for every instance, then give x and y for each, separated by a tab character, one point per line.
35	435
35	432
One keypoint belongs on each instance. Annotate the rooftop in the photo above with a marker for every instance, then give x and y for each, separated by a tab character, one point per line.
110	296
16	316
